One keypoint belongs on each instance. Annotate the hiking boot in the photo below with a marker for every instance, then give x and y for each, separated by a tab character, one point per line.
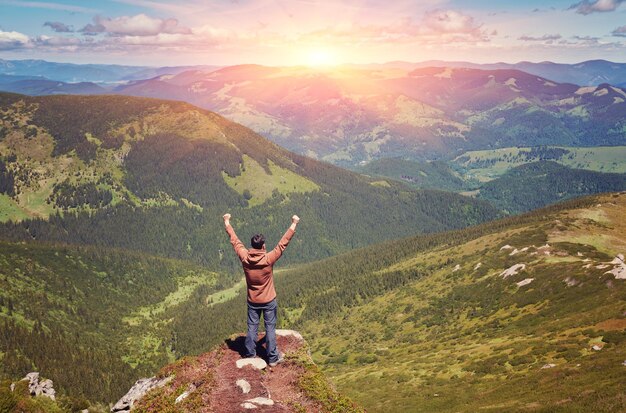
281	358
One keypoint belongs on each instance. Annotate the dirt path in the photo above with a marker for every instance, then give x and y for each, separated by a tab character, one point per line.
276	385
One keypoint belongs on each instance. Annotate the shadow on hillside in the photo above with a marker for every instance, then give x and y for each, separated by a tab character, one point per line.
239	345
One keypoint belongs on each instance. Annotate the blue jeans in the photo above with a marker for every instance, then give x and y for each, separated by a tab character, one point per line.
269	316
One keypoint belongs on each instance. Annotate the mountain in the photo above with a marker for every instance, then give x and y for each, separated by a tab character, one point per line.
36	86
95	73
348	116
119	171
587	73
525	313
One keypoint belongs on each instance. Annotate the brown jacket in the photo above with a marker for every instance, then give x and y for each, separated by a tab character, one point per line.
257	265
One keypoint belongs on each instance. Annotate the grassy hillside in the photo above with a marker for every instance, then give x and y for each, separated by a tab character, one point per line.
459	334
489	164
444	322
117	171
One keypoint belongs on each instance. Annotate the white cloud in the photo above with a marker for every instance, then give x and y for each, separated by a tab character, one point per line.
588	7
13	40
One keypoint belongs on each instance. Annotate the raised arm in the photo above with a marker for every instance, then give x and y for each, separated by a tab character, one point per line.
238	246
275	254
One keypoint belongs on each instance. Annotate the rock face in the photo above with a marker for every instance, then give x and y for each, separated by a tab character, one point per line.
37	388
139	389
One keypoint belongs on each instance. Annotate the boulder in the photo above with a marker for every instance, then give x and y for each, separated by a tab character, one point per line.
255	362
37	388
244	385
139	389
285	333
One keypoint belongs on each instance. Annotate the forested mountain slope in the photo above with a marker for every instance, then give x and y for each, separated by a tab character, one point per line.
521	314
119	171
537	184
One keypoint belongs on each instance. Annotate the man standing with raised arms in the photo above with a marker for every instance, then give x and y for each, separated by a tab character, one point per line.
257	265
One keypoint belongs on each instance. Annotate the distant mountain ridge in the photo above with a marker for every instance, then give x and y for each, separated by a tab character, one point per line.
97	73
349	116
586	73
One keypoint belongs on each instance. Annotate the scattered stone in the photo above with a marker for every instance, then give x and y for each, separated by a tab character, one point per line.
586	260
244	386
579	254
545	250
506	247
571	282
285	333
515	251
456	268
139	389
255	362
261	401
513	270
587	266
190	389
247	405
37	388
477	266
602	266
619	269
525	282
548	366
596	347
624	363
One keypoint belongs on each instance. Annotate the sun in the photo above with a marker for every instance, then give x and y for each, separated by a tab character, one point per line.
321	57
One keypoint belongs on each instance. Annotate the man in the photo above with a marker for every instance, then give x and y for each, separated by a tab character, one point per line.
257	265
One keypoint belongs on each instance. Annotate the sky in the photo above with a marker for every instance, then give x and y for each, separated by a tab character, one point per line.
311	32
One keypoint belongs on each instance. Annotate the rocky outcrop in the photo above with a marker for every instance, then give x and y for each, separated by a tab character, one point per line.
139	389
39	388
221	381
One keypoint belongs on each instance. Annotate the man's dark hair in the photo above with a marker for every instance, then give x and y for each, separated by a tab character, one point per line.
257	241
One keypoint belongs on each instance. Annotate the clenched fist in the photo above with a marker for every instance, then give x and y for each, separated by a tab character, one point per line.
295	219
226	218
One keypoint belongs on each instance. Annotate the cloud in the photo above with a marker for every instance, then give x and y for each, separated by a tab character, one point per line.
620	31
13	40
138	25
435	27
544	38
587	7
59	27
449	21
